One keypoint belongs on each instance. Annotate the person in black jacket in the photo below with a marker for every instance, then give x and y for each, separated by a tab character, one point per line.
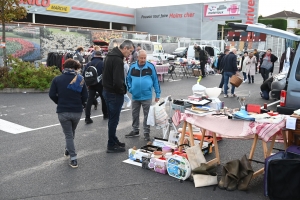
229	68
265	88
266	66
114	88
220	67
69	92
203	60
97	62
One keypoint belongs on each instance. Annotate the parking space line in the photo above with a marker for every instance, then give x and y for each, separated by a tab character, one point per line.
13	128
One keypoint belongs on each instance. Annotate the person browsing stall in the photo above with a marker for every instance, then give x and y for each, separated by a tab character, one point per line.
141	80
114	88
97	62
267	64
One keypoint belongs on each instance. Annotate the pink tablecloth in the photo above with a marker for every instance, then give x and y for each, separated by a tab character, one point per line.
225	127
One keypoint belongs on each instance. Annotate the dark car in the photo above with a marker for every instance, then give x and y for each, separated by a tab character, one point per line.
180	52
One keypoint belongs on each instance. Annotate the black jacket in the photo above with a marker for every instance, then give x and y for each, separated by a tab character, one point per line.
67	100
273	59
229	63
113	78
266	86
219	67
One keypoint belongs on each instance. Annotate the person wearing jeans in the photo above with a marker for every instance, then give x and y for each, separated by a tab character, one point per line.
69	92
114	104
114	88
267	61
229	65
141	78
220	69
227	76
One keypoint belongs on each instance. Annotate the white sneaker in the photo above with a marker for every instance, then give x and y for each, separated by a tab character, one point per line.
129	104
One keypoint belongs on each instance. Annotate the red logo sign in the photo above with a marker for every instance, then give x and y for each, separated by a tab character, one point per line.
250	12
44	3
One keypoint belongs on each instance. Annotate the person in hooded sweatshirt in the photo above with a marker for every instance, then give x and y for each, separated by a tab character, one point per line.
114	88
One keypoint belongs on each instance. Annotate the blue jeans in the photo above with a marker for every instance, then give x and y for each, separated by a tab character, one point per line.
227	76
114	104
265	94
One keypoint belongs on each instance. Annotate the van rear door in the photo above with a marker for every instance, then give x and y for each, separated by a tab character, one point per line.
293	89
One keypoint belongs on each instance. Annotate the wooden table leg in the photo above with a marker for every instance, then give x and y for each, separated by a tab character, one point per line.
191	135
216	148
290	138
253	147
284	132
182	135
203	135
271	146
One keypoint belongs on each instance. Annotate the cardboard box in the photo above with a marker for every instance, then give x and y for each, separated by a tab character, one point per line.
136	155
197	72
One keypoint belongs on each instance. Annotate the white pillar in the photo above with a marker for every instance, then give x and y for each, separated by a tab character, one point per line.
33	17
110	25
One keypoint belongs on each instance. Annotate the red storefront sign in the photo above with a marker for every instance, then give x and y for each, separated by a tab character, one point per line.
250	12
44	3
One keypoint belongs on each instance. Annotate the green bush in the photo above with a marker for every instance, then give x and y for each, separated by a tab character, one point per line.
21	74
276	23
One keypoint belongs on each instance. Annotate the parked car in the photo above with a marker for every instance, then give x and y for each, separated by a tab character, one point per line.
180	52
292	98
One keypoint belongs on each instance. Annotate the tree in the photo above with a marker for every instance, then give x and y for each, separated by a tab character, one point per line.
297	31
10	10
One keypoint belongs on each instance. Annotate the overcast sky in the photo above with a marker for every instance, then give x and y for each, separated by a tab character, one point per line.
266	7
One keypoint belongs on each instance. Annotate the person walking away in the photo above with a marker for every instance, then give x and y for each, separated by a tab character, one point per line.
243	67
250	67
256	54
203	57
267	64
114	88
220	67
230	68
97	62
127	99
141	78
69	92
197	51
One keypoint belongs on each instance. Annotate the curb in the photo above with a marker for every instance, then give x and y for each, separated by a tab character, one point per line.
23	90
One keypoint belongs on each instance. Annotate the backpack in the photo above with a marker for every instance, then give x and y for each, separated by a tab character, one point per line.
91	77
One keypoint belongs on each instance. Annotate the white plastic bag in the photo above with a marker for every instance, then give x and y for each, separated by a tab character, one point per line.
151	117
161	116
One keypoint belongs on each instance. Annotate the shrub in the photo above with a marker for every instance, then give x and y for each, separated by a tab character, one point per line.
21	74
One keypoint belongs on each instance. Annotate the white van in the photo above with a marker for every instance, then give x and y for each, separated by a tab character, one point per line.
154	50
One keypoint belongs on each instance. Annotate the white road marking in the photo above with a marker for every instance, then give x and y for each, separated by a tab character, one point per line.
13	128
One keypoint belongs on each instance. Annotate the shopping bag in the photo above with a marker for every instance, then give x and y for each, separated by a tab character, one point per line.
195	156
161	116
151	117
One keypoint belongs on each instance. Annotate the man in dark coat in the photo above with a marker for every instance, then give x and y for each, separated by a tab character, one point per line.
230	68
114	88
220	67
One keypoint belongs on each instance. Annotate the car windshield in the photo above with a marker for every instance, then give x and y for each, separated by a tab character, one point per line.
180	49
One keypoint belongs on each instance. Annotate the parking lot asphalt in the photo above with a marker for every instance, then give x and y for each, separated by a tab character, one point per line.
32	165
